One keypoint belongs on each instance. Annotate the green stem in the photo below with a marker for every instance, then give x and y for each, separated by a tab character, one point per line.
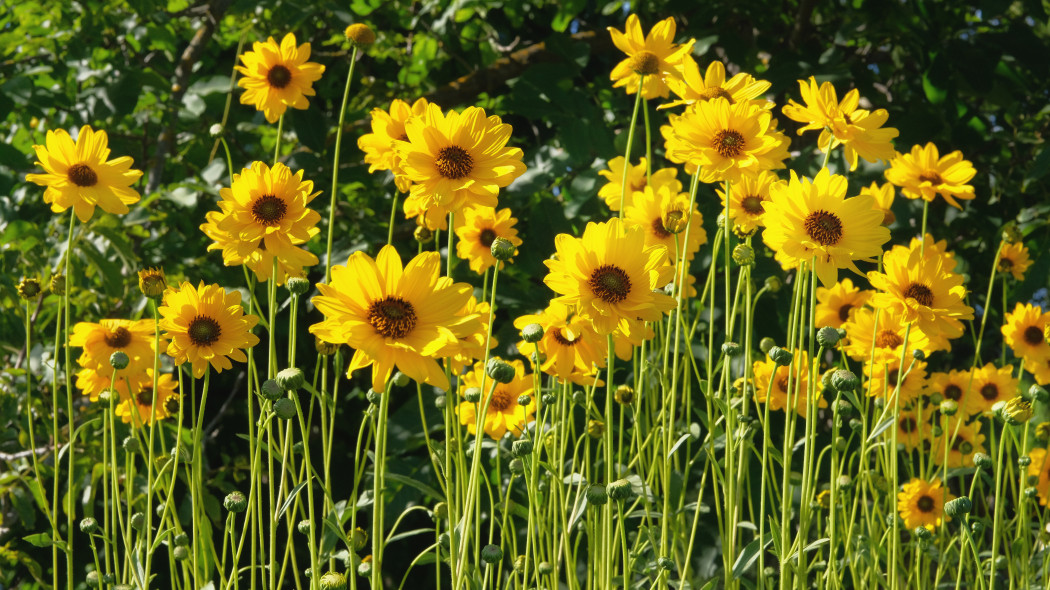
335	167
630	141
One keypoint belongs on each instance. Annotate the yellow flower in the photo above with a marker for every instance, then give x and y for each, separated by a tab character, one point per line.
963	443
206	325
837	303
471	327
788	381
79	175
92	382
1038	474
859	131
883	196
814	219
692	87
654	56
747	201
152	282
990	385
955	386
504	413
636	181
1024	332
1013	259
570	348
455	160
883	342
388	127
651	209
278	76
725	140
916	286
395	316
913	427
99	341
139	410
360	35
882	380
265	209
923	174
609	275
477	228
921	504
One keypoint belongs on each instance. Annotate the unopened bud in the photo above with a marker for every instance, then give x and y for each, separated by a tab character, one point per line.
827	337
624	395
949	407
291	379
88	525
271	390
780	356
620	490
844	380
731	349
500	370
235	502
119	360
333	581
284	408
360	35
491	554
743	255
596	495
502	249
774	284
58	285
28	288
532	333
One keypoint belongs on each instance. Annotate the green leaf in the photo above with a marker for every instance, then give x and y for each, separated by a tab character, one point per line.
882	427
408	481
291	497
681	440
38	540
747	558
1040	166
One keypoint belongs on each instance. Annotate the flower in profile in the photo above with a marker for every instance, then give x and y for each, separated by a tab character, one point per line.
206	325
152	282
388	127
883	196
456	160
471	327
921	503
693	87
276	77
609	275
916	286
1038	474
923	174
264	214
859	131
92	382
395	316
360	35
781	384
138	408
881	337
133	337
725	140
1013	260
963	442
747	201
655	56
570	348
837	303
504	413
814	221
883	377
991	385
81	175
477	228
656	210
637	180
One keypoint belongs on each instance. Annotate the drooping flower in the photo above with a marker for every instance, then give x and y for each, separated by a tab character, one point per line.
859	131
81	175
655	56
388	127
636	181
782	384
609	275
276	77
725	140
693	87
138	409
206	325
883	196
1038	474
921	503
133	337
747	201
837	303
570	348
1014	260
504	414
813	220
477	228
923	174
395	316
456	160
656	210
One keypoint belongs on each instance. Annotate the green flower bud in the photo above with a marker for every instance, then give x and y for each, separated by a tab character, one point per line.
58	285
138	521
423	235
958	507
624	395
597	496
181	553
827	337
1031	493
517	467
360	537
595	428
235	502
949	407
88	525
364	569
579	398
976	527
284	408
92	579
665	564
181	454
401	380
743	255
216	130
620	490
1038	393
519	563
297	285
532	333
131	444
271	390
333	581
918	354
843	406
502	249
472	394
440	401
303	526
521	447
766	344
119	360
499	370
774	284
731	349
780	356
181	540
524	399
545	568
548	399
440	511
1024	461
291	379
491	554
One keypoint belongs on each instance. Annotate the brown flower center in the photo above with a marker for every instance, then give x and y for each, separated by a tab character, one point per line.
204	330
392	316
752	205
1033	335
925	504
729	143
1005	264
269	210
930	176
645	63
486	237
501	400
171	405
953	392
907	424
891	378
82	175
454	162
844	311
659	230
145	397
824	227
402	137
561	339
782	384
888	339
990	391
279	76
920	293
610	283
118	338
715	92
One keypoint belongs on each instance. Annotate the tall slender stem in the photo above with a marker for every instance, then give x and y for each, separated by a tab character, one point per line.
335	167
